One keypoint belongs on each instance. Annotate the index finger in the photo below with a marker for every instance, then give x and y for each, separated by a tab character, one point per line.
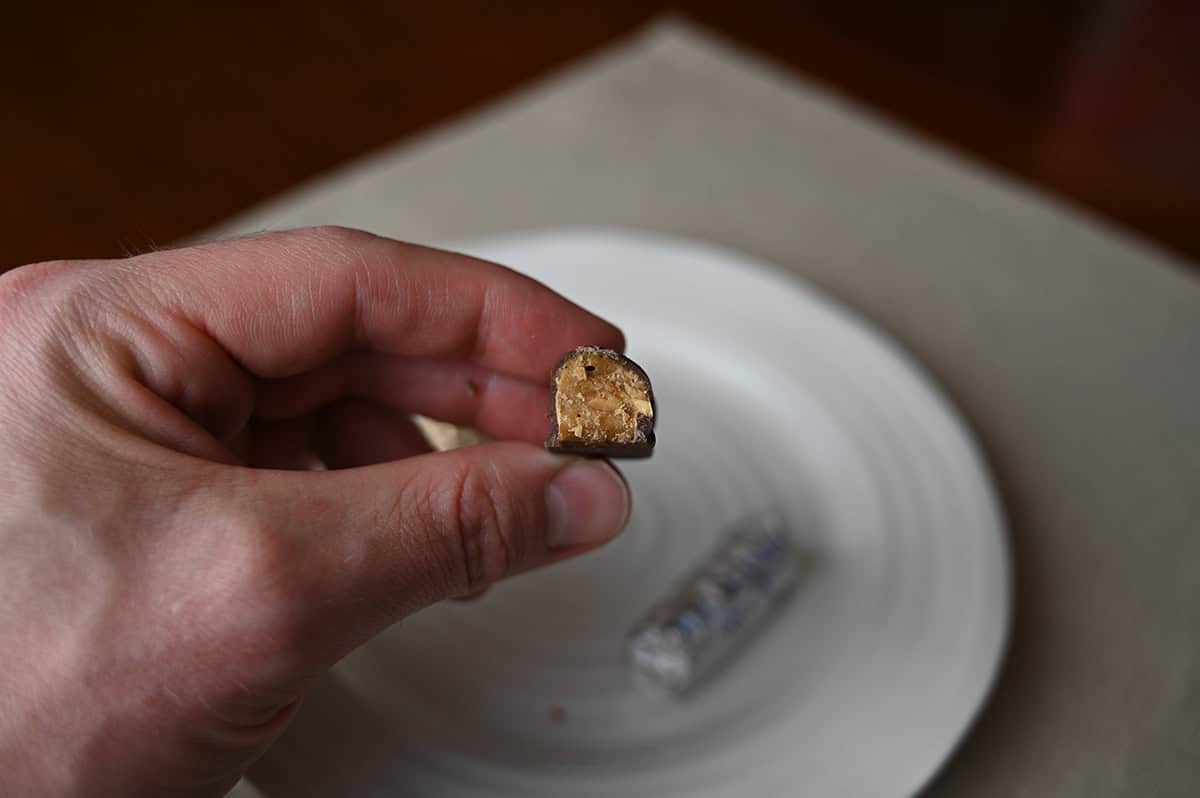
283	303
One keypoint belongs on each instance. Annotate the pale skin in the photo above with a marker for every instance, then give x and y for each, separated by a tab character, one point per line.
174	575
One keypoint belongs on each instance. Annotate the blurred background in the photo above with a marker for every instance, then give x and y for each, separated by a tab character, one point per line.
129	124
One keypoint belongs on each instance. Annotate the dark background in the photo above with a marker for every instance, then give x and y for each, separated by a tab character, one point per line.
126	125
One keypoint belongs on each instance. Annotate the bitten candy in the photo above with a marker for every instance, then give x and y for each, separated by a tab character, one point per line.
601	404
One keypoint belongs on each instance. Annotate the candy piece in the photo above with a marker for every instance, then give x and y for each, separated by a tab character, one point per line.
714	611
601	404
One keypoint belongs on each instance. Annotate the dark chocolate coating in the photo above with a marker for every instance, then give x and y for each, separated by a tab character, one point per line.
645	426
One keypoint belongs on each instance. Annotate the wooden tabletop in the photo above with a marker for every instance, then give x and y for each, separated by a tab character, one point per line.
127	125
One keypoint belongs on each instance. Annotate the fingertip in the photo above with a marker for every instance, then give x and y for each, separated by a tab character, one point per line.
618	337
607	335
587	503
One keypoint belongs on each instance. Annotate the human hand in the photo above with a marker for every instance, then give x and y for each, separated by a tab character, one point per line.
168	588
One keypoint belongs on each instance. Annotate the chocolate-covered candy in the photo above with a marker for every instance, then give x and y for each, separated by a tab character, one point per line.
602	404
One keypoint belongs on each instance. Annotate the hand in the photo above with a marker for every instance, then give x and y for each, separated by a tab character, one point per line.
173	575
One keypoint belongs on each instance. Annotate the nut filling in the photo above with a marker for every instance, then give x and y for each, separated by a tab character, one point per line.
602	404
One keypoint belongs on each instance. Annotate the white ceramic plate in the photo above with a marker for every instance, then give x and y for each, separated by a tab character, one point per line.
768	395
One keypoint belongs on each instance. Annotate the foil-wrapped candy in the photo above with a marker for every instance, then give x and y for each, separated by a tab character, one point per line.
712	613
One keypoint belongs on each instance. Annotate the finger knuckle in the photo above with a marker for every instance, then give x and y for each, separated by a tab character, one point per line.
482	521
263	569
261	552
21	286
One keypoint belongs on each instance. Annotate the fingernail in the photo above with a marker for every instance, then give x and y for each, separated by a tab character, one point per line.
586	502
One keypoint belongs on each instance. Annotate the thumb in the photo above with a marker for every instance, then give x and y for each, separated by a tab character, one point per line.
364	547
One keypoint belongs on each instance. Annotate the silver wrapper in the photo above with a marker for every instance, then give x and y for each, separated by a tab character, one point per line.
715	610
